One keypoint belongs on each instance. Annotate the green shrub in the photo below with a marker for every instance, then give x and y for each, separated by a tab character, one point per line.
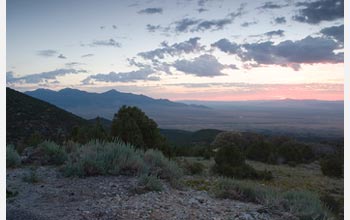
293	151
53	154
193	167
260	151
229	156
12	157
242	190
230	162
102	158
71	146
333	166
115	158
133	126
303	204
162	167
149	183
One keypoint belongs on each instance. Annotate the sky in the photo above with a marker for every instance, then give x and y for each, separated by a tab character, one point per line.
179	49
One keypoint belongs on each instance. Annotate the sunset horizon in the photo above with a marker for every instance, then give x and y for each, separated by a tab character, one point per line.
201	50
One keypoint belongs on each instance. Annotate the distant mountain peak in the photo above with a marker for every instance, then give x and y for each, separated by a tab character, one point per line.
111	91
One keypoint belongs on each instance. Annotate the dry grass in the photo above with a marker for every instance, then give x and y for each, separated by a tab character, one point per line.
305	176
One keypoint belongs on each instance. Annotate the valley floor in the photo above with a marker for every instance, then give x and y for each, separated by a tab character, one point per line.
113	197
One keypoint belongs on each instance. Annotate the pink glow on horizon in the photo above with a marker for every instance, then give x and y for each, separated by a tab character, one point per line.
270	93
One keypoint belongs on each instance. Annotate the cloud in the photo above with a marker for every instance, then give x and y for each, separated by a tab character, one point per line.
335	32
196	25
189	46
151	11
47	53
132	76
185	25
41	77
200	10
110	43
226	46
114	26
309	50
271	5
247	24
87	55
203	66
61	56
153	28
280	20
73	64
212	24
279	33
321	10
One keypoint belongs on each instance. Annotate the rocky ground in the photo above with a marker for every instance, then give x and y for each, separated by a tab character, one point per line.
113	197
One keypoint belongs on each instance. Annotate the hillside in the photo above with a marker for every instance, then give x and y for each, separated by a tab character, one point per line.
26	115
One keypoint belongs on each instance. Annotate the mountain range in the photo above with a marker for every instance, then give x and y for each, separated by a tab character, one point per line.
301	118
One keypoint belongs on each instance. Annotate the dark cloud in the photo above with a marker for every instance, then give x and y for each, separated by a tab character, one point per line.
87	55
102	27
247	24
151	11
321	10
212	24
185	25
226	46
189	46
202	66
200	10
336	32
114	26
41	77
109	43
271	5
132	76
279	33
195	25
74	64
153	28
280	20
47	53
309	50
61	56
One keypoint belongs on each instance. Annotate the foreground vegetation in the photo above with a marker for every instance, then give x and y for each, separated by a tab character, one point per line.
278	172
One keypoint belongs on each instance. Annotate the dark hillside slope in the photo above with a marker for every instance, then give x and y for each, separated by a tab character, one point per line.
26	116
